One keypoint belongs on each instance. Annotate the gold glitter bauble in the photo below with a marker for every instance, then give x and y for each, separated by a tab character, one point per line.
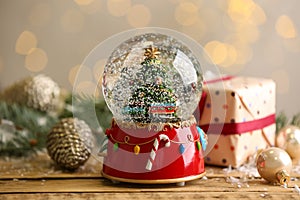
288	138
39	92
70	143
274	165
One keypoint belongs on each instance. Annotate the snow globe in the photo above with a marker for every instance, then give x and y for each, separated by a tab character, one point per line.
152	83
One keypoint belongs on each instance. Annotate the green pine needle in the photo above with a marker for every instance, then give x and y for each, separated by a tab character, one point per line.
29	127
296	120
93	111
281	121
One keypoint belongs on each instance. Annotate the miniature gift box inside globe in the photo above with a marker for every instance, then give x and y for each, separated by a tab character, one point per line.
152	84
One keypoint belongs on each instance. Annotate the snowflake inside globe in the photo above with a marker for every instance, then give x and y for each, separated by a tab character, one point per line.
152	78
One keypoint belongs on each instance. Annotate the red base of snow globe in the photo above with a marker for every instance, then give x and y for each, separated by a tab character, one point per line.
154	153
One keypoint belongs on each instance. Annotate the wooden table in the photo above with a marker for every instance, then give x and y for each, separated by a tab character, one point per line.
38	178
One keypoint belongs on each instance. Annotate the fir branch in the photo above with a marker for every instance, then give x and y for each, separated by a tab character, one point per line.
86	108
281	121
29	129
296	120
18	145
27	118
93	111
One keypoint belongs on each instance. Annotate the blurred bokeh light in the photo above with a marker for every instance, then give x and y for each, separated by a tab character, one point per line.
186	13
285	27
118	8
36	60
139	16
25	42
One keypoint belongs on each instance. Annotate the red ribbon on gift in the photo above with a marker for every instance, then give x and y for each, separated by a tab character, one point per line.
224	78
239	128
233	128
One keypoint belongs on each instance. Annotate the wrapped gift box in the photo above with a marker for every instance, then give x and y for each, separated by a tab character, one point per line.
238	113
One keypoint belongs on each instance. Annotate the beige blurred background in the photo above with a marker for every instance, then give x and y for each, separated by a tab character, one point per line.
243	37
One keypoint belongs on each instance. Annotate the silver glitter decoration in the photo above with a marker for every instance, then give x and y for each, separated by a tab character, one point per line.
70	143
39	92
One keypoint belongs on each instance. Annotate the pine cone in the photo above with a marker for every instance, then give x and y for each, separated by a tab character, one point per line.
70	143
39	92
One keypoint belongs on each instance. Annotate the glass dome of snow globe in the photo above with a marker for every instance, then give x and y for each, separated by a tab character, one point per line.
151	78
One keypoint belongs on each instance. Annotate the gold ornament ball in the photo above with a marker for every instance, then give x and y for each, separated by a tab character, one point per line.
288	138
70	143
274	165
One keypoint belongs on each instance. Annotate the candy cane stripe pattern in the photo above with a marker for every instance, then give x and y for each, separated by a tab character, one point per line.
155	148
165	138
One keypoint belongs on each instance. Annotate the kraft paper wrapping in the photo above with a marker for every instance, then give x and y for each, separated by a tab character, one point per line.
247	100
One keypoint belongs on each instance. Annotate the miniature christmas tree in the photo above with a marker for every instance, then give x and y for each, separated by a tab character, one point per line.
153	100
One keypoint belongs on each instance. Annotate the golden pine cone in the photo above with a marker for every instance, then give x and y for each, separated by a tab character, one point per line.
70	143
39	92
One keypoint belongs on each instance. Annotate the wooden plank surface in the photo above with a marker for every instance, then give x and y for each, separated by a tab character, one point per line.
41	166
150	195
104	185
38	178
90	188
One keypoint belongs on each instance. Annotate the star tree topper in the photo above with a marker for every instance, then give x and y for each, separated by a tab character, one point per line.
151	52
